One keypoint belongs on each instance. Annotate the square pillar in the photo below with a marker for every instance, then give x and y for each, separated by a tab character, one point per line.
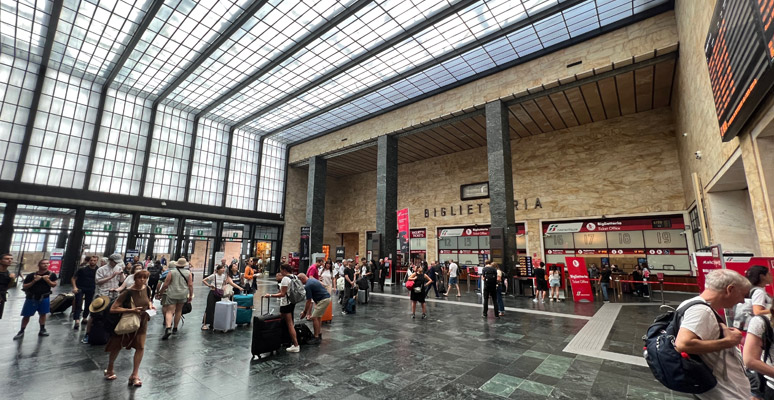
498	146
315	203
387	196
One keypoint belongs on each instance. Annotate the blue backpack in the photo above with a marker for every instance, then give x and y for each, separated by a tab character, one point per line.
349	307
682	374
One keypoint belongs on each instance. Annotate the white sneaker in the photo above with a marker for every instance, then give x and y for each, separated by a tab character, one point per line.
293	349
534	300
542	301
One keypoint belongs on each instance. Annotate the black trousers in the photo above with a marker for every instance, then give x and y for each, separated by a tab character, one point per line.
83	296
490	291
435	288
381	280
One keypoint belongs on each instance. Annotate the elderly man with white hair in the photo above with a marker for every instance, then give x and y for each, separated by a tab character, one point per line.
703	333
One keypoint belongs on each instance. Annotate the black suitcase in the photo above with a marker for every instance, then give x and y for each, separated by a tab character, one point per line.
62	302
270	332
303	333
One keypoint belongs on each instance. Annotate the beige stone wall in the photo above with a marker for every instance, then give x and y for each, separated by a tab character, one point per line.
622	166
636	39
295	208
692	101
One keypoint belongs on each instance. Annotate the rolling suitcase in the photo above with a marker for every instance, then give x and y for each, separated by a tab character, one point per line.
270	332
62	302
225	316
303	333
244	308
362	296
328	316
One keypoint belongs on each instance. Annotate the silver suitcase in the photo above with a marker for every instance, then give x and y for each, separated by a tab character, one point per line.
225	316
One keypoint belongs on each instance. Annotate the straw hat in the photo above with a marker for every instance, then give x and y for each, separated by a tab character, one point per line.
99	304
181	262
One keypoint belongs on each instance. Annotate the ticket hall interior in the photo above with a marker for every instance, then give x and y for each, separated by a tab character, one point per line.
266	132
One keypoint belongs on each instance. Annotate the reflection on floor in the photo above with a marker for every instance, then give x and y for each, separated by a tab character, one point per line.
380	352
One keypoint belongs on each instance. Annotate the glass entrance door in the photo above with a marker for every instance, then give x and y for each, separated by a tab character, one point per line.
38	231
157	237
199	245
105	233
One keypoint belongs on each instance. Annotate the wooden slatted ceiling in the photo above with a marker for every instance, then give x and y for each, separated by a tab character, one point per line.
626	93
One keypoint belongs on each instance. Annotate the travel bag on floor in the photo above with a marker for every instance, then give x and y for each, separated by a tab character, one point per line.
244	308
225	316
328	316
270	332
350	306
303	333
62	302
362	296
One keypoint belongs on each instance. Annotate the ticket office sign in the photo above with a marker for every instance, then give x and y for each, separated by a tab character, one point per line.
579	279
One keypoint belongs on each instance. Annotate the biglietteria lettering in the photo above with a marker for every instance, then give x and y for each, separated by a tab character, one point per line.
477	208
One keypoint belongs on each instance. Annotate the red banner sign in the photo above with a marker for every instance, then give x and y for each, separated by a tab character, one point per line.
611	224
579	279
554	251
418	233
55	261
403	230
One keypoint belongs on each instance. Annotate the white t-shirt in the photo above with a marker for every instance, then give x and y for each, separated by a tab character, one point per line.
758	329
114	282
726	364
284	282
453	270
759	297
219	280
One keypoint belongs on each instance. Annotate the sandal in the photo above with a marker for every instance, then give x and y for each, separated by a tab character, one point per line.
205	327
109	377
135	381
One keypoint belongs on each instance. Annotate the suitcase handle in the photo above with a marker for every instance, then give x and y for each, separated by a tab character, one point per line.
268	304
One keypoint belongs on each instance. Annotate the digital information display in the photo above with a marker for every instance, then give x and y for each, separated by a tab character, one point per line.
740	51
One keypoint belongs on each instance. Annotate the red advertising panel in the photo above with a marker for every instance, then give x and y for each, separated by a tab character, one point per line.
616	224
579	279
55	261
706	263
403	230
418	233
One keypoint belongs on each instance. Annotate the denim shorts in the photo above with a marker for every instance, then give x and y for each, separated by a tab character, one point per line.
453	280
32	306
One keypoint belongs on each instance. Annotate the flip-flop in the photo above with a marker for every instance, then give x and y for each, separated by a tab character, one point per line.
110	377
136	382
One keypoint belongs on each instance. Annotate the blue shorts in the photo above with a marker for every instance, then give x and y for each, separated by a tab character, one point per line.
32	306
453	280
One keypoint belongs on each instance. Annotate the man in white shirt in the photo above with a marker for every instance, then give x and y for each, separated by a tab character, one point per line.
453	268
110	276
703	334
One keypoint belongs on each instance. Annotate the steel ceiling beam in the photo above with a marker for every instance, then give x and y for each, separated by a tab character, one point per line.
578	39
350	11
408	33
537	17
212	48
147	19
53	21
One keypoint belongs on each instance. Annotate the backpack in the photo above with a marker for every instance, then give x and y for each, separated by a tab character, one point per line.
296	290
758	380
350	306
303	333
677	371
743	312
340	283
490	276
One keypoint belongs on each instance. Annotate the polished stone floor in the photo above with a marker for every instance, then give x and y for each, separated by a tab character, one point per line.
378	353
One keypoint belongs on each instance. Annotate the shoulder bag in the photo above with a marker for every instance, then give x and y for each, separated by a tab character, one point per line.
130	321
217	292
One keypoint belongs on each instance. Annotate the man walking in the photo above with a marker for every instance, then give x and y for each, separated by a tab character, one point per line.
604	282
38	286
349	283
110	276
315	292
314	270
453	268
489	275
84	285
384	271
7	279
703	333
432	273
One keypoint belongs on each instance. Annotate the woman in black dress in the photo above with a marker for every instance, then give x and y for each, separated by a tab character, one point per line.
418	292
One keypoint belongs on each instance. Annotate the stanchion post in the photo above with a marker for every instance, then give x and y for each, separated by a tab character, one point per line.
661	283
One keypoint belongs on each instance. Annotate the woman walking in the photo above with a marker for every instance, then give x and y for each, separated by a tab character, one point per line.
217	283
759	276
134	300
176	291
419	291
326	277
502	288
249	276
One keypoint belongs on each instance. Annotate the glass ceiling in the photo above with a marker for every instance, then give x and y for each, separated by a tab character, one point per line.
380	55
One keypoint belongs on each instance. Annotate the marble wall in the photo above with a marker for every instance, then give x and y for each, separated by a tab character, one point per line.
732	218
627	165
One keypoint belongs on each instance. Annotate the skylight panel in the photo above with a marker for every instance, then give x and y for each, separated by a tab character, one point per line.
24	25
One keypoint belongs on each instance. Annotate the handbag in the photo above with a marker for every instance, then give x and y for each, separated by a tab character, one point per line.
409	285
217	292
187	308
129	323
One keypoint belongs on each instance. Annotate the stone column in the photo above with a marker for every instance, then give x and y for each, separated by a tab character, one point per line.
315	204
387	196
6	229
498	146
757	160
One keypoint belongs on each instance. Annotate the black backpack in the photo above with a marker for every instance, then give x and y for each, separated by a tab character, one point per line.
490	276
687	374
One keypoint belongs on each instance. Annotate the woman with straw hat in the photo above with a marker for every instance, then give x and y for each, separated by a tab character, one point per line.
177	290
97	327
